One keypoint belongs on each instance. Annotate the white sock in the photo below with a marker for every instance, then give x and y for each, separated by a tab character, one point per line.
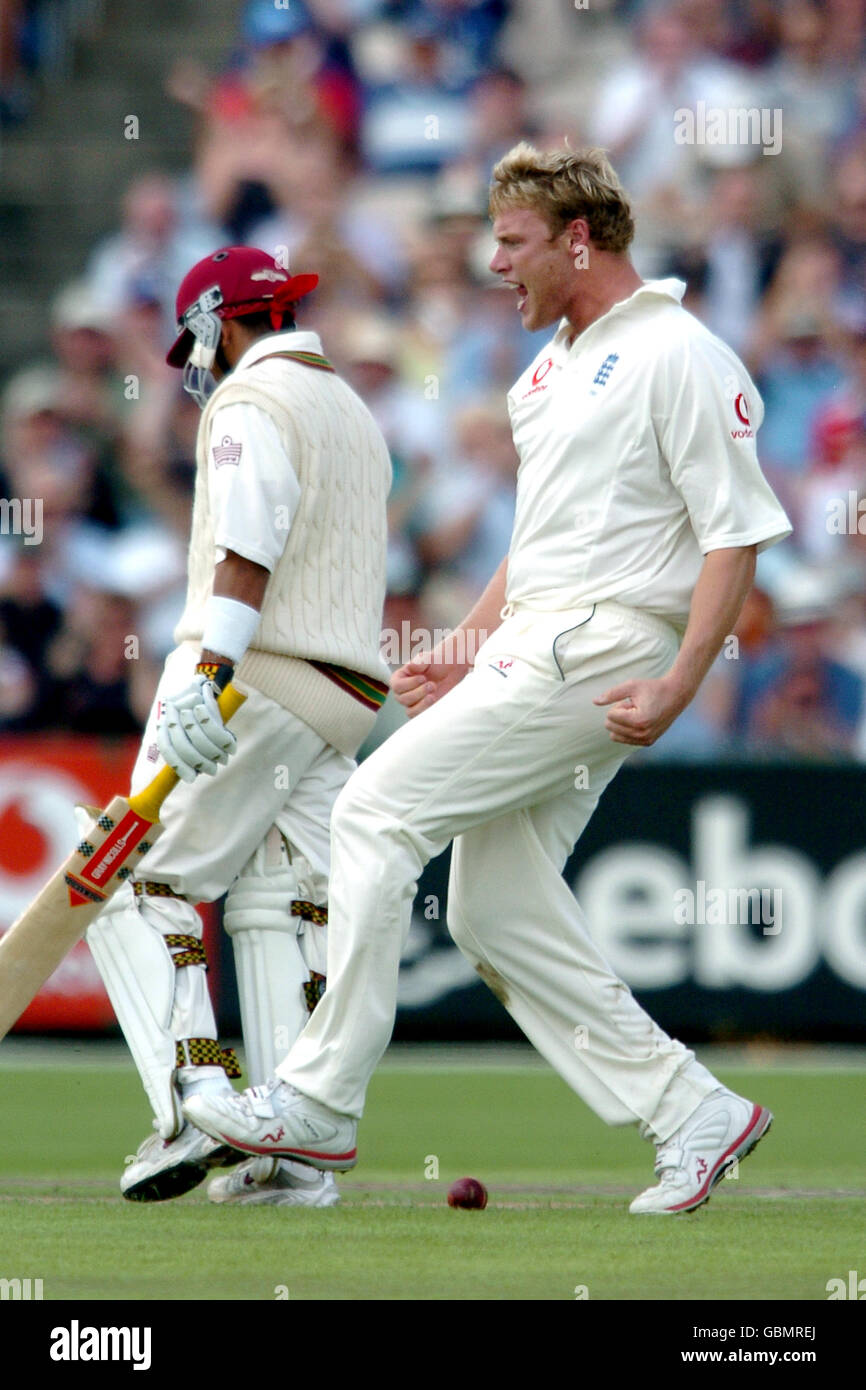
201	1081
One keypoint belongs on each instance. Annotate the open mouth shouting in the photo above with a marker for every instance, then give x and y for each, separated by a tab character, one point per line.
521	291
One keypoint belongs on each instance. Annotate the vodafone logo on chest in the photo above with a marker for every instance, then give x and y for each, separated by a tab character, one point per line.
744	426
538	381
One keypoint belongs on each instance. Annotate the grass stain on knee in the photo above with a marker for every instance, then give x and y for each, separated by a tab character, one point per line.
494	981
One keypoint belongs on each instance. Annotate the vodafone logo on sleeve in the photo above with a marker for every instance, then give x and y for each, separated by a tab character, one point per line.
741	410
538	382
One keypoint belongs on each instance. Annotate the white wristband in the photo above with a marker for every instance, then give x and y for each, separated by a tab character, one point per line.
228	626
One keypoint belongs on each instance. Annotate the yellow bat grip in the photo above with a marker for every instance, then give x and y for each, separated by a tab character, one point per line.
148	802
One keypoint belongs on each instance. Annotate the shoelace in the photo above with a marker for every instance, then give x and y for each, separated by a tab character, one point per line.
257	1102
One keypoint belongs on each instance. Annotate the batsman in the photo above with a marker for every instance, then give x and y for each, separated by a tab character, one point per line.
285	593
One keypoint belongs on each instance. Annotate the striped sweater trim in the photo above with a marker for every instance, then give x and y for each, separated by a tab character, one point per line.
307	359
369	692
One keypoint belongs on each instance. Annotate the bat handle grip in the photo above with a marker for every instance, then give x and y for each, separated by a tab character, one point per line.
148	802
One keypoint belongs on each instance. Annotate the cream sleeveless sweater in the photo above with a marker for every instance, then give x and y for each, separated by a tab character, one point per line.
324	599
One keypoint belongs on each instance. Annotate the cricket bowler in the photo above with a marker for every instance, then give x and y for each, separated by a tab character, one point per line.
285	594
640	509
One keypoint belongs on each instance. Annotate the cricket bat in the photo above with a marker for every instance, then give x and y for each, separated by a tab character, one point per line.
108	854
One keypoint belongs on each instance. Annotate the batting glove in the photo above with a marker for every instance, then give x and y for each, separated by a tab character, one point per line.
191	735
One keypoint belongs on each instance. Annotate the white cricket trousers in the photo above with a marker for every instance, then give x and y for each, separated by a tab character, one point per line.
510	764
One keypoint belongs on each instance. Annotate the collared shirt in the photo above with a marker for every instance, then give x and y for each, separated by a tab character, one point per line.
637	458
254	490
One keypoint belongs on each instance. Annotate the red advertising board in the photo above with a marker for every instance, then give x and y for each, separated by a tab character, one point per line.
41	779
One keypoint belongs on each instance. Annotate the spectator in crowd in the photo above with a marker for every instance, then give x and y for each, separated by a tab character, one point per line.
739	31
417	119
48	466
470	27
799	699
29	620
52	469
254	120
101	685
498	117
796	380
157	239
734	254
358	256
29	617
636	106
848	210
82	340
823	510
467	512
813	87
839	427
793	354
18	688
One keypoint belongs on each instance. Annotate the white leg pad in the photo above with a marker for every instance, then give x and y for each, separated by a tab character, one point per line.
270	966
137	971
154	1001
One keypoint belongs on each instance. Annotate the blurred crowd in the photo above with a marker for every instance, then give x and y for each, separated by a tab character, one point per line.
356	138
37	38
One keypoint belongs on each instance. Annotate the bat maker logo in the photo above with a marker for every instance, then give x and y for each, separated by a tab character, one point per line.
119	847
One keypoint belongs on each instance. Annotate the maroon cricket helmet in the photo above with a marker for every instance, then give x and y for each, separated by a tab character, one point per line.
247	280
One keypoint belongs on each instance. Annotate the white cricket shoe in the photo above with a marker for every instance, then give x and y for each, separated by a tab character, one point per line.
269	1182
164	1168
277	1120
725	1127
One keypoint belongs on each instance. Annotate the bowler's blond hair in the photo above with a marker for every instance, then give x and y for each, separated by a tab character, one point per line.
561	185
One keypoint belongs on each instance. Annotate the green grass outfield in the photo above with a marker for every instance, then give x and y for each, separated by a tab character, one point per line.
559	1182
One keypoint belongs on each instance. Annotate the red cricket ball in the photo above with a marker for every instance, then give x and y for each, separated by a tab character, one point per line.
468	1193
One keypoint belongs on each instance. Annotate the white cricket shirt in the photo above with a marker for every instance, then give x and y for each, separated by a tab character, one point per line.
637	457
254	491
